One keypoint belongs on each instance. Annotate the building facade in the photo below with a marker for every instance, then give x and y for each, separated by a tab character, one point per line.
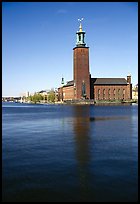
135	92
111	88
84	87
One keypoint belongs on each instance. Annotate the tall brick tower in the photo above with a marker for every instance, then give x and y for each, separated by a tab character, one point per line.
81	67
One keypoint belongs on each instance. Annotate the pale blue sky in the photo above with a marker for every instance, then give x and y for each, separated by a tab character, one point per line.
38	40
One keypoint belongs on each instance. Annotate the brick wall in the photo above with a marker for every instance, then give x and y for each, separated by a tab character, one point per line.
68	93
129	91
81	71
112	92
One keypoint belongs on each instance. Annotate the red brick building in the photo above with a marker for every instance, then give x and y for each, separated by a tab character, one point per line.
111	88
84	87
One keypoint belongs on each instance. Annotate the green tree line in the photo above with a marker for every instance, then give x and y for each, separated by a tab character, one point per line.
38	97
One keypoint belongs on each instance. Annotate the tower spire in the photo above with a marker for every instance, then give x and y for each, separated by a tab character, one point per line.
80	27
80	35
62	81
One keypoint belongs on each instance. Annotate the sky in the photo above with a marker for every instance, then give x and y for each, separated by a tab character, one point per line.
38	40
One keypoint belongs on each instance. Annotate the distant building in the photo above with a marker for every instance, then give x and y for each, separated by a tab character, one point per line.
43	92
135	92
27	94
84	87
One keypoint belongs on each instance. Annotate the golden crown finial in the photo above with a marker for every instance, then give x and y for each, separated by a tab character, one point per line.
80	27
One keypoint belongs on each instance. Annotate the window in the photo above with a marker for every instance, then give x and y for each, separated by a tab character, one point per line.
98	93
123	93
103	93
118	93
108	93
114	92
83	89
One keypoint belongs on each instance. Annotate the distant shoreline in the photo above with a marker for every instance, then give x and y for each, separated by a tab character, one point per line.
81	102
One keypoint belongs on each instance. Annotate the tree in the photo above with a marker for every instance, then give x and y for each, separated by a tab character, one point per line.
51	96
36	98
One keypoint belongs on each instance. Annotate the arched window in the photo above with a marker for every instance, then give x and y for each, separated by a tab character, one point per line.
108	93
83	89
119	93
103	93
98	93
114	92
123	93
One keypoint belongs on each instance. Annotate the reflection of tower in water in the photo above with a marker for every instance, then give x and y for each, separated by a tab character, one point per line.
81	130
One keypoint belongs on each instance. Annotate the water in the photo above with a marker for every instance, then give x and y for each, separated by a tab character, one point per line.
60	153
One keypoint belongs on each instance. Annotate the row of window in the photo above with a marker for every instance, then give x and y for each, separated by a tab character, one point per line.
120	93
114	91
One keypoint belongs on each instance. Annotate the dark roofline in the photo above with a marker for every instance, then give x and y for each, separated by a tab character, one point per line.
79	47
69	83
109	81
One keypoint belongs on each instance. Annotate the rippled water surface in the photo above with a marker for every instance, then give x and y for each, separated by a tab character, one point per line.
69	153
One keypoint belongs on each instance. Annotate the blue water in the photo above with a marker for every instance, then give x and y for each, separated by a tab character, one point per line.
61	153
